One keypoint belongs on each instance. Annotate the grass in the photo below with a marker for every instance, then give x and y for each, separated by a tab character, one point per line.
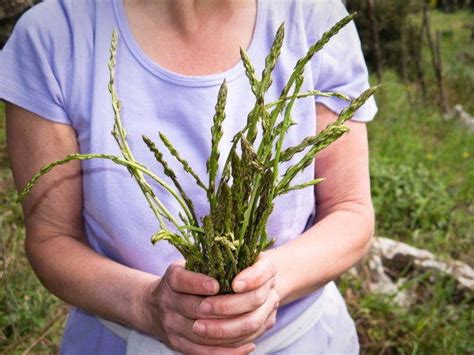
410	135
458	55
422	169
429	160
437	323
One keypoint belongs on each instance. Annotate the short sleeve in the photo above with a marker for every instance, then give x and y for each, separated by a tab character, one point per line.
32	63
340	65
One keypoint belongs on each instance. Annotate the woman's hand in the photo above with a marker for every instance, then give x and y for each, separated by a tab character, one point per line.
242	317
174	302
180	314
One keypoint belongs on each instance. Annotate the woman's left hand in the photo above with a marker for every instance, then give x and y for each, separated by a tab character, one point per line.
242	317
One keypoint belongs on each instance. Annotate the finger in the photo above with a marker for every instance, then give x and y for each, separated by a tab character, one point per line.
188	306
191	306
178	326
246	324
235	304
269	323
184	328
254	276
184	281
188	347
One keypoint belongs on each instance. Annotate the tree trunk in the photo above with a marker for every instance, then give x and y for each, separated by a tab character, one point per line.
435	44
374	33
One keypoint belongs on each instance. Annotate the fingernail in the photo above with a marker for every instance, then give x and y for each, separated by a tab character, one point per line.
199	328
205	307
210	286
240	286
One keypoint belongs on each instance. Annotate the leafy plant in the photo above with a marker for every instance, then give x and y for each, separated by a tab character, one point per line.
232	235
413	199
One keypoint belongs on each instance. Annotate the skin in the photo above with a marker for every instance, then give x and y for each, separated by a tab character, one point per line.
181	308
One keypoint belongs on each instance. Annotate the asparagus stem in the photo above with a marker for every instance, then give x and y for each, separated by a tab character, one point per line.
117	160
183	162
300	186
216	130
284	128
301	63
307	94
189	210
120	136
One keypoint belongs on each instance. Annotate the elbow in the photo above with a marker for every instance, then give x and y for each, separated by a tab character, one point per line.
368	230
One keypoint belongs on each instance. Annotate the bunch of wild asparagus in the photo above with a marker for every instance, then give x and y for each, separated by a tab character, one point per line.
232	235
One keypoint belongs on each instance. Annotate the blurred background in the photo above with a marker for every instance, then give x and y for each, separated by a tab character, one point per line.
414	293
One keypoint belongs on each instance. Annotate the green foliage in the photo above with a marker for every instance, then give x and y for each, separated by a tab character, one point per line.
391	16
430	161
412	200
436	323
458	56
399	25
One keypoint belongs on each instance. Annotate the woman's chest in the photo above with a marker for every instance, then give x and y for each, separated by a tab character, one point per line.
191	40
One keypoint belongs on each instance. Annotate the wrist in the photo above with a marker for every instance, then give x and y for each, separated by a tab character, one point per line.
142	316
284	283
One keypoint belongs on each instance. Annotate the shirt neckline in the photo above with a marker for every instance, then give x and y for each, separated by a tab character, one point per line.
174	77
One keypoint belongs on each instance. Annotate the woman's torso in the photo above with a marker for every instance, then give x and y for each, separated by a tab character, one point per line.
118	221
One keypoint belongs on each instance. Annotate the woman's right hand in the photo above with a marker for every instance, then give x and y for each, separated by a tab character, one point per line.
173	303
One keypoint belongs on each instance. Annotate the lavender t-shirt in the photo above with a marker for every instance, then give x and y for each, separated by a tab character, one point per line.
55	65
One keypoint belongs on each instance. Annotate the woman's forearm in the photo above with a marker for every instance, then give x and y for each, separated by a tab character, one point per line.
345	217
325	251
83	278
55	241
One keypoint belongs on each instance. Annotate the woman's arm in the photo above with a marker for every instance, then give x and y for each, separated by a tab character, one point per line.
58	252
340	238
345	217
55	242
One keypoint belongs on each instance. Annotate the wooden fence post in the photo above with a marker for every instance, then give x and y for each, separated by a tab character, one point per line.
436	59
374	32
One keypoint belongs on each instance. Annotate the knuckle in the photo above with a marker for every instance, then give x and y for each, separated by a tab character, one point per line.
251	325
273	282
256	325
273	269
194	309
272	321
193	285
275	298
223	308
270	268
173	277
218	331
259	297
167	321
266	270
174	343
165	302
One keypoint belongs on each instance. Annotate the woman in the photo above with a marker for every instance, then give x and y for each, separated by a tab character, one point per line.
88	226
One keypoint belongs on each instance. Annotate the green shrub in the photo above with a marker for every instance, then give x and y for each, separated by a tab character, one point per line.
391	16
410	200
